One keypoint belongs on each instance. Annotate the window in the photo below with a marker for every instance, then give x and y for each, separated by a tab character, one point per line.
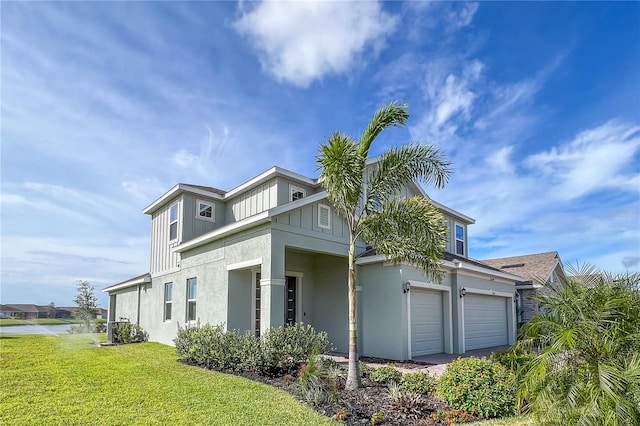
192	285
324	216
205	210
173	222
459	239
257	301
168	300
297	193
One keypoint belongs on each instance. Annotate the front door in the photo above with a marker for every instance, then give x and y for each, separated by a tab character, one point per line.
290	301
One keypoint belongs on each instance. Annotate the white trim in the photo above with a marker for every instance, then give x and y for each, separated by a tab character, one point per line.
484	271
328	209
272	172
213	210
293	189
487	292
254	287
177	221
272	281
177	189
371	259
428	286
245	264
146	279
464	333
195	300
455	239
297	204
164	311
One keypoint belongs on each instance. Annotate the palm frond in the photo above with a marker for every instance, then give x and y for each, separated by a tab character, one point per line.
341	172
391	115
399	166
410	231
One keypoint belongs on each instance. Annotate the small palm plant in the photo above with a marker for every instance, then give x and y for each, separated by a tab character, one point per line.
586	367
405	230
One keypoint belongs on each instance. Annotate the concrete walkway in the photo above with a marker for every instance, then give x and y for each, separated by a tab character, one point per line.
435	364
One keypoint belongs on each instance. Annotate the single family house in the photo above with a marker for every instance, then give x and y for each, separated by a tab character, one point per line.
534	269
273	252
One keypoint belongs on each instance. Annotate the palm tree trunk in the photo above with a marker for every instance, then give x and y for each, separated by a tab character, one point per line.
353	374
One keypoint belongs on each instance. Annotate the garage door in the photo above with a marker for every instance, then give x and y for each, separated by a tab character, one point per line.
427	327
485	321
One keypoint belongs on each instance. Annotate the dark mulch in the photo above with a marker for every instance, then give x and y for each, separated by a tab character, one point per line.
360	404
406	364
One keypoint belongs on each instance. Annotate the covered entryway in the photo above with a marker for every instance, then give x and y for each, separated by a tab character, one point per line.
485	321
427	322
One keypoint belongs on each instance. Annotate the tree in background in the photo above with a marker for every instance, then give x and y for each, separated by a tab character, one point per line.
85	301
51	310
404	230
585	345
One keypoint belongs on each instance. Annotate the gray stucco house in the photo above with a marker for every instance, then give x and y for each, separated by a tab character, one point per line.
534	269
272	252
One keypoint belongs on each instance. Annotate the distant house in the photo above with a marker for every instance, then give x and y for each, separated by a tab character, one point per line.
534	268
23	311
273	252
65	311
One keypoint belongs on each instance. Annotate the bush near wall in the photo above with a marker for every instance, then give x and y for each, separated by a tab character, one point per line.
281	350
480	386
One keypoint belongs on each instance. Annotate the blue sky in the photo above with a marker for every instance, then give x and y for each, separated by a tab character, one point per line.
105	106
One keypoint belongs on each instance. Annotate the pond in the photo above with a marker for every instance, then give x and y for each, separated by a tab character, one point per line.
35	329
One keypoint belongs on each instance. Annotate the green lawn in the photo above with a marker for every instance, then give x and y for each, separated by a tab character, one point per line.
68	380
512	421
42	321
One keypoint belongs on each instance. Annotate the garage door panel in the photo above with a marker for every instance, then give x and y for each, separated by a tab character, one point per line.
485	321
427	326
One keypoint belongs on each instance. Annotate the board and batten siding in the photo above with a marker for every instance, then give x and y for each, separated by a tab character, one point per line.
306	217
192	225
162	258
252	202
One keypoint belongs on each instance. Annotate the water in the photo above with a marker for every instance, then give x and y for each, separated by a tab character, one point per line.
35	329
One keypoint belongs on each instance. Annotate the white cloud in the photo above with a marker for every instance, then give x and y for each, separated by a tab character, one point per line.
462	16
300	42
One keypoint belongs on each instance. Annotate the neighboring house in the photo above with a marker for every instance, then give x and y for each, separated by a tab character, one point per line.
534	268
273	252
23	311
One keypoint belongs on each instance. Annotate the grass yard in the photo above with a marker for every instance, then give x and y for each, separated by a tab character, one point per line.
5	322
68	380
512	421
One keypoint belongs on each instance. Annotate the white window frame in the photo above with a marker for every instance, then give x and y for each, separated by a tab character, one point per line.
209	204
293	189
456	239
175	221
168	302
190	301
328	209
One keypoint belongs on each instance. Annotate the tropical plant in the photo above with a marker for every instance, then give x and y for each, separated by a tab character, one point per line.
403	230
385	374
587	367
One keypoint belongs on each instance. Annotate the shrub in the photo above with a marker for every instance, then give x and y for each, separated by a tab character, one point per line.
478	385
419	382
377	417
126	332
284	349
386	374
365	370
410	405
514	358
450	417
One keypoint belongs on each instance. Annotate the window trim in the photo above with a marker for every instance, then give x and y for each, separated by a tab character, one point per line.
168	302
320	224
293	189
456	239
172	222
213	210
194	301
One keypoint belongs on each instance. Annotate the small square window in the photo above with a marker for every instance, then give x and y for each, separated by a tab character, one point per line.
297	193
205	210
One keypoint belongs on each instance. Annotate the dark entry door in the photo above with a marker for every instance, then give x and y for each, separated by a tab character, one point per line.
290	301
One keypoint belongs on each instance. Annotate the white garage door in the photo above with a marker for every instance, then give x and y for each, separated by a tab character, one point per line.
427	327
485	321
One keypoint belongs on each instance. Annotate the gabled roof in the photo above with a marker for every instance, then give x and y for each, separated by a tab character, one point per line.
20	307
205	188
531	267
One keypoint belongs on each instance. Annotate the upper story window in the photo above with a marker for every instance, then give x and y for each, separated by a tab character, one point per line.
173	222
192	287
459	239
205	210
168	300
296	193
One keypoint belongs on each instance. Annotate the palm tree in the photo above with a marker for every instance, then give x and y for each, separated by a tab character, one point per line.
585	367
404	230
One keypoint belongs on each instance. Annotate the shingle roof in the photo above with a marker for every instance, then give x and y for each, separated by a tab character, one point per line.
22	307
207	188
531	267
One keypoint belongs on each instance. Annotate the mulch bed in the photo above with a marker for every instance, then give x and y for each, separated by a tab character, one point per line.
360	404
